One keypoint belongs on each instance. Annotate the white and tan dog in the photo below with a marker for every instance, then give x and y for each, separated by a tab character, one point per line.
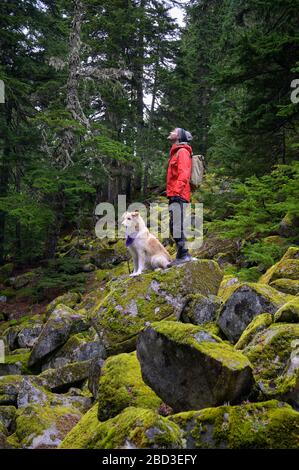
145	248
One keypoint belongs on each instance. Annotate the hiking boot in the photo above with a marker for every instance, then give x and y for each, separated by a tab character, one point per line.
183	259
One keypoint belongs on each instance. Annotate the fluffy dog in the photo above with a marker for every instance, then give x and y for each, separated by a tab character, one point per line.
145	248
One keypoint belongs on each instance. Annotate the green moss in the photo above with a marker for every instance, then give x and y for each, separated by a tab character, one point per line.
275	240
35	421
259	323
133	428
69	299
84	432
133	302
65	375
286	268
121	385
22	322
291	253
9	292
270	351
289	312
288	286
21	358
267	425
6	271
9	384
213	328
211	346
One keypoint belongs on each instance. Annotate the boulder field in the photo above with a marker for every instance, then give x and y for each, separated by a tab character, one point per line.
186	358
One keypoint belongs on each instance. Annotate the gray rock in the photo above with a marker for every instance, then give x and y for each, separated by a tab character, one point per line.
28	336
66	376
200	309
79	347
191	369
62	323
245	302
32	392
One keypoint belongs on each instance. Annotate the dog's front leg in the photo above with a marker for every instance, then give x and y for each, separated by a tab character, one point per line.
135	261
141	264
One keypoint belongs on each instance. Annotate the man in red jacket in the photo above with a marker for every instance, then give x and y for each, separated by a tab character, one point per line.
178	188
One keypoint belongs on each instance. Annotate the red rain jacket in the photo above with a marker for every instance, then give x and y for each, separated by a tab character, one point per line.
179	171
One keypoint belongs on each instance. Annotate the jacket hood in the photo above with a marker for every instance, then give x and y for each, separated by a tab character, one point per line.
176	147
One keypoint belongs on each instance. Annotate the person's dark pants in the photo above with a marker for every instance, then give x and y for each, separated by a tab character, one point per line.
177	209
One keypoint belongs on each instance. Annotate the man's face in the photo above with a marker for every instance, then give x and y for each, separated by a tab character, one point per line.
173	136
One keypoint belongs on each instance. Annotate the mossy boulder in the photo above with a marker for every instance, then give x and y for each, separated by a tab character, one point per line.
25	333
213	245
288	286
200	309
43	427
9	389
289	312
79	347
8	417
113	273
26	279
16	363
274	354
70	375
190	368
32	392
121	385
22	332
3	438
135	302
69	299
259	323
111	255
134	428
6	271
62	323
268	425
226	285
243	303
289	226
286	268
